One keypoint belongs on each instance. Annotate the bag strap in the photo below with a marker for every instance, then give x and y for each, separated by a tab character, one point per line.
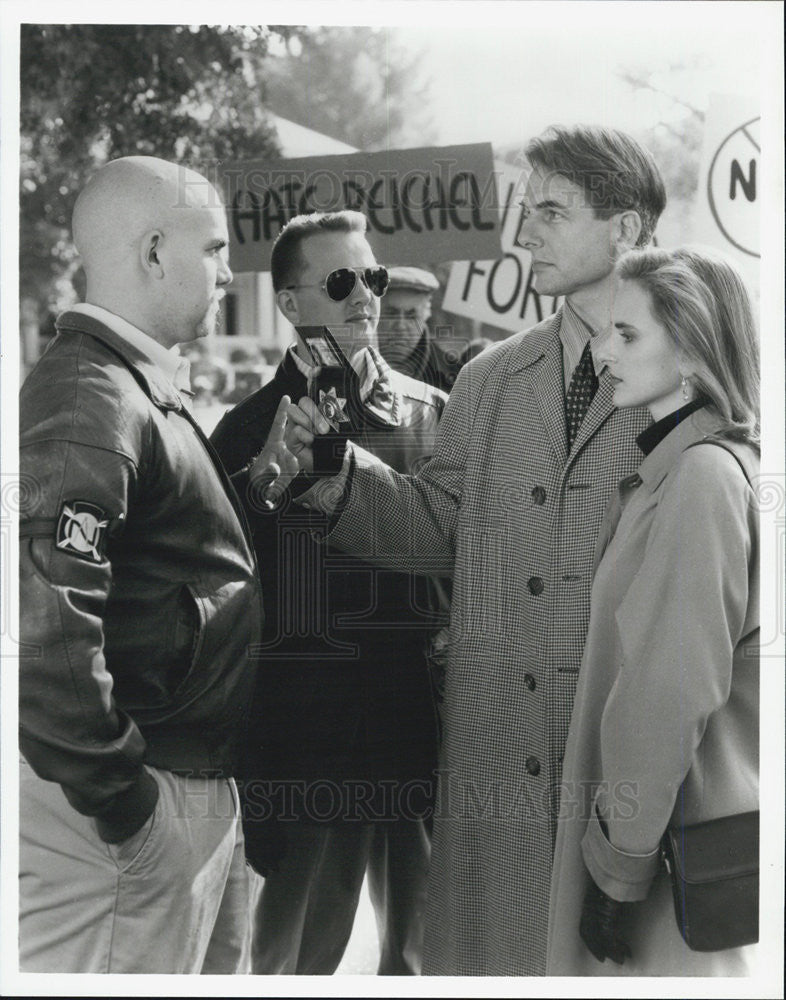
727	446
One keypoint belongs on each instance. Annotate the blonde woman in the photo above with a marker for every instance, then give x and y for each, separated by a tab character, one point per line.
665	721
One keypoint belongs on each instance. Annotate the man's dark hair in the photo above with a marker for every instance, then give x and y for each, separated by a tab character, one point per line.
616	172
286	260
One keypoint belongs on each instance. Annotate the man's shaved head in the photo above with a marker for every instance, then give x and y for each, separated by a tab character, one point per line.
153	242
128	197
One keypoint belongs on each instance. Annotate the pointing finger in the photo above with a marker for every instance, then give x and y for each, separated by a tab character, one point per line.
276	434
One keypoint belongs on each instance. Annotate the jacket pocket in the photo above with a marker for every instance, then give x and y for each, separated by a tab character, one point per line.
188	636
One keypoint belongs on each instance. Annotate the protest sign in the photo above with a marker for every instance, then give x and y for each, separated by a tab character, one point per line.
423	205
500	291
727	214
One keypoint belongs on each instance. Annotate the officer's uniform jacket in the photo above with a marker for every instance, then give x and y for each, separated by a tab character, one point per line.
346	727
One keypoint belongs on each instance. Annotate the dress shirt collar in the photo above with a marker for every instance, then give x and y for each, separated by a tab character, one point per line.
304	367
574	334
168	360
307	369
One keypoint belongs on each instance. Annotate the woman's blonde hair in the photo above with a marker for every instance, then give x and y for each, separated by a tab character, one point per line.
702	302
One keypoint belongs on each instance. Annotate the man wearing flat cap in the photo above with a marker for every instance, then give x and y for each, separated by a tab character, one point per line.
405	341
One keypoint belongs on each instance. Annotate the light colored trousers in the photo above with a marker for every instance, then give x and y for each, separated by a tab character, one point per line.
173	898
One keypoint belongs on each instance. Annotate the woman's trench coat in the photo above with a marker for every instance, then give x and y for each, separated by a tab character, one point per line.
514	516
665	721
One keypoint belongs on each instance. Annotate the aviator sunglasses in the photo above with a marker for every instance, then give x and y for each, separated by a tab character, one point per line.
340	283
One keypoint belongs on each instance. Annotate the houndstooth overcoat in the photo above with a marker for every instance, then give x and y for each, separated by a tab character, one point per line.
515	517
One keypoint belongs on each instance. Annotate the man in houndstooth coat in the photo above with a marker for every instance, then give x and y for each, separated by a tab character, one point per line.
512	508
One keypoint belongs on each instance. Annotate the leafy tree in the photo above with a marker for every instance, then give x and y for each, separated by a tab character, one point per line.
356	84
90	93
675	140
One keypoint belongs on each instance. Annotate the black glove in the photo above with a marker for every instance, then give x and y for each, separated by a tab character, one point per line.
601	917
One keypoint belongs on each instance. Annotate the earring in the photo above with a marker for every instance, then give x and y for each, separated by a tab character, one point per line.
686	390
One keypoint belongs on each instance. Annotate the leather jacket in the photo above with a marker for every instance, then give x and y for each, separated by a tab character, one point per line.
140	597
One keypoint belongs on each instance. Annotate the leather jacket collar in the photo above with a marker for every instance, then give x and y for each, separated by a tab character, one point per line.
153	380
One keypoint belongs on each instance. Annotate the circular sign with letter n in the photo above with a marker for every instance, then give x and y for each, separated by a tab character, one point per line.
733	187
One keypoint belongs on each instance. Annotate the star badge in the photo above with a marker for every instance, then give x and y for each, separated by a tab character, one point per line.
331	406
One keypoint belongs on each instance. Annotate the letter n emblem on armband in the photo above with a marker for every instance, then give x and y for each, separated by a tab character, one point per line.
81	530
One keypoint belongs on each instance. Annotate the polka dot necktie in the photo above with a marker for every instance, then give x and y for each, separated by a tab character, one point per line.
583	384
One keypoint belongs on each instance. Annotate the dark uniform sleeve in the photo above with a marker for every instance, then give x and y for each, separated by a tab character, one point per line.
238	438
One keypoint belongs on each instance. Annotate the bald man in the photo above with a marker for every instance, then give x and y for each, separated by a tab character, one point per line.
139	603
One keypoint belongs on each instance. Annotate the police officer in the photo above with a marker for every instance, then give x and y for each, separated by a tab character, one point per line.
338	770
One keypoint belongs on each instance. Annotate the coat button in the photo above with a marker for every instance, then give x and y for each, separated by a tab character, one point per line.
532	764
536	585
538	495
529	682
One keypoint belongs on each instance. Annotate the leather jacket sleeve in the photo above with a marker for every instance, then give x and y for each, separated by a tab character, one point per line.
71	731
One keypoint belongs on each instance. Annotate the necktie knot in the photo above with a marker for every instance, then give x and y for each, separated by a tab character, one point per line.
583	385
